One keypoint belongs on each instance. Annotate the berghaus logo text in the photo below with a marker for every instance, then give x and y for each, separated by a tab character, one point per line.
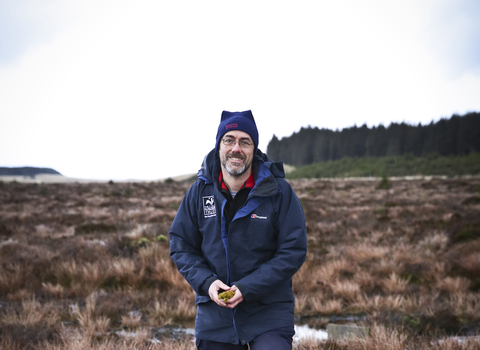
255	216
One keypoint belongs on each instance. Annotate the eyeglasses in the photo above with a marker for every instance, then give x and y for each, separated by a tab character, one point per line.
241	143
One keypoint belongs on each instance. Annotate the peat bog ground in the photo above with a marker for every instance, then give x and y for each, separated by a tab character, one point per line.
87	266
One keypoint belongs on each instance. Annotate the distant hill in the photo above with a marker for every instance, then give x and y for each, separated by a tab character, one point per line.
27	171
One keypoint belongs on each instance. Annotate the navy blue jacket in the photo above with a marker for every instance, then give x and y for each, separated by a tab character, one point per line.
264	246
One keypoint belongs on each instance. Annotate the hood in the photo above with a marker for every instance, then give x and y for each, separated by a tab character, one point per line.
276	168
211	166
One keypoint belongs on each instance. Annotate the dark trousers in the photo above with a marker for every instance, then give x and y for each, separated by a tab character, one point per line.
276	339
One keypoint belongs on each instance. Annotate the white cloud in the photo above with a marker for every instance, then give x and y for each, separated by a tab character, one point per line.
135	90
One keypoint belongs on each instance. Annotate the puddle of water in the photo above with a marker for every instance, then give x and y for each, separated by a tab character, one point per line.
174	332
302	332
170	332
461	340
356	318
305	332
125	334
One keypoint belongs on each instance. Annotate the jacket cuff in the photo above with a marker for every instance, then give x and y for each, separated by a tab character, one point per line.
208	282
241	288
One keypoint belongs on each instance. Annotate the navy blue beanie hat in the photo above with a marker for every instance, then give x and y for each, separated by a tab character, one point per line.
242	121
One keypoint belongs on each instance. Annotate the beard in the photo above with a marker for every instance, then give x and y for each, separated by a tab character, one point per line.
232	171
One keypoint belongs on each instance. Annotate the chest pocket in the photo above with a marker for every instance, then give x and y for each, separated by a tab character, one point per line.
260	234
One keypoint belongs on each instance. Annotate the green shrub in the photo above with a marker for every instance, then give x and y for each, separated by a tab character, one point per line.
141	242
468	232
384	183
127	192
162	238
44	191
472	200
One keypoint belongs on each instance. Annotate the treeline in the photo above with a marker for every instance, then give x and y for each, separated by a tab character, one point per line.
459	135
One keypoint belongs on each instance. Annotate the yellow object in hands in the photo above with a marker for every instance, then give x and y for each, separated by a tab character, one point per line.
224	296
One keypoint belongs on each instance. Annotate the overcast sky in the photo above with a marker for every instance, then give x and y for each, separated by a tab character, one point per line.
135	89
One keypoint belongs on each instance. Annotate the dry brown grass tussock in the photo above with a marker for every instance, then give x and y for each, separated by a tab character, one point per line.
11	277
347	290
172	311
470	262
367	252
32	314
454	285
89	320
378	303
394	284
465	305
320	305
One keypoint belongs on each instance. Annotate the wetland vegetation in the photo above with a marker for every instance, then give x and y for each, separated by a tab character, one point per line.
87	266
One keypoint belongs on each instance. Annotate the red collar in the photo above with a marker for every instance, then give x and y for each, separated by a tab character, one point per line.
250	183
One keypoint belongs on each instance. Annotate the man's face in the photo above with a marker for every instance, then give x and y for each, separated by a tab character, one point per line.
236	160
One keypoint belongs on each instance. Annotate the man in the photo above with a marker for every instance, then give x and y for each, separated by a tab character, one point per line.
240	228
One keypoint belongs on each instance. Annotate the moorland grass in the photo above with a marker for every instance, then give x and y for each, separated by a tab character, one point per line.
82	268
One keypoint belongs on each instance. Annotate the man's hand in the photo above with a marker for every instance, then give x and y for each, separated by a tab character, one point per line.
219	285
213	291
236	299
